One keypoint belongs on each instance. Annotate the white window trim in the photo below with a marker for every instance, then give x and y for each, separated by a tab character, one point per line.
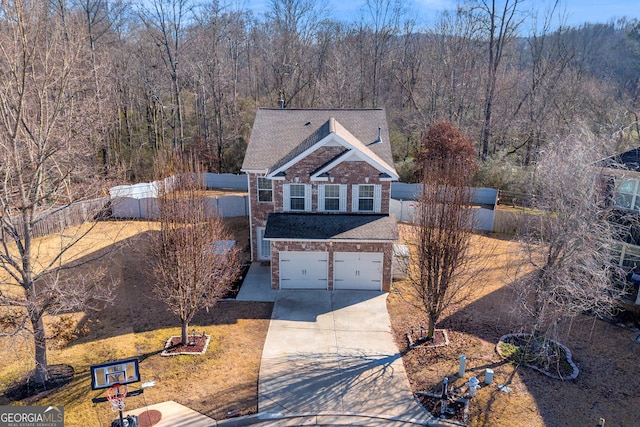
342	198
260	240
377	198
634	196
286	196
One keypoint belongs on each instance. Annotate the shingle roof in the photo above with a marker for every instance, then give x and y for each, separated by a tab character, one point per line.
629	160
279	135
300	226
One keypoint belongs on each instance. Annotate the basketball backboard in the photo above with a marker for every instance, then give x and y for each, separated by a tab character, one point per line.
108	374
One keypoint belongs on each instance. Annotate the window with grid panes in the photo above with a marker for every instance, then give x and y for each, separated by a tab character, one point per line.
296	197
365	198
331	197
265	190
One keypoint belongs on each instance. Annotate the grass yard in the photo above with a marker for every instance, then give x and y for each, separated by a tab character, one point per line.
607	355
222	380
225	378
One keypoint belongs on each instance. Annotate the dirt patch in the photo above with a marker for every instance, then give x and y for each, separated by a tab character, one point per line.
218	192
454	410
27	390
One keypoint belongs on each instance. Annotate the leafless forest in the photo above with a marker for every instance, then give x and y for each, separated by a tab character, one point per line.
130	78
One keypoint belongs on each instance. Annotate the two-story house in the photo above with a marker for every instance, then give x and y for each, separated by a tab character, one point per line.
319	191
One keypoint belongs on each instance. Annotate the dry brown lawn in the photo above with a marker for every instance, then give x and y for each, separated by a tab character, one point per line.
221	381
607	355
225	378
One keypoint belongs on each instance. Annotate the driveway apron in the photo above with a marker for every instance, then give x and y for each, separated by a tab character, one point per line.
333	353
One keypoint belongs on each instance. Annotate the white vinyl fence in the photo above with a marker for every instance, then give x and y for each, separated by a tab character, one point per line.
140	200
404	203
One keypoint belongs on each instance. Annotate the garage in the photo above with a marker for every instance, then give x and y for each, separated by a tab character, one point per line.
358	270
303	270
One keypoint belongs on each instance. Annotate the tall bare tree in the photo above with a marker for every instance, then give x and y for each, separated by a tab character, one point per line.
380	23
440	265
500	22
166	23
567	256
195	266
46	163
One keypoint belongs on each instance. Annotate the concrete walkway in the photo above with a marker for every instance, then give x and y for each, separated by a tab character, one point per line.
332	354
174	415
256	286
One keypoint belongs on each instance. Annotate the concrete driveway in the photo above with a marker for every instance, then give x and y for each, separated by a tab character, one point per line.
332	353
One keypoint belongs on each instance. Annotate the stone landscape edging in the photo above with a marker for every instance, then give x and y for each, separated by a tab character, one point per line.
573	375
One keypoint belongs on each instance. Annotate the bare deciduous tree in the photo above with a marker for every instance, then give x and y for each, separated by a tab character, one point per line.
194	265
46	164
500	24
440	267
165	21
567	263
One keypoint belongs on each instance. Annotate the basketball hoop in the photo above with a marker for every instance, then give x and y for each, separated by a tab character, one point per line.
116	395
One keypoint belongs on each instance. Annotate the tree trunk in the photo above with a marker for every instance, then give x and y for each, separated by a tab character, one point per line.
40	344
185	333
431	328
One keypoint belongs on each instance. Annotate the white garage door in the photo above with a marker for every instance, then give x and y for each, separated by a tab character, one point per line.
357	270
303	270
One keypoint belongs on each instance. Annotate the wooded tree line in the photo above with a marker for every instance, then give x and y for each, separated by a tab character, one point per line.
176	73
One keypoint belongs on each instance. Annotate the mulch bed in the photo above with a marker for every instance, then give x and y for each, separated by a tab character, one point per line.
195	345
25	388
439	339
554	359
232	293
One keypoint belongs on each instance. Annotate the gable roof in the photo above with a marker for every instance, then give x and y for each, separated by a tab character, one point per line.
279	136
628	160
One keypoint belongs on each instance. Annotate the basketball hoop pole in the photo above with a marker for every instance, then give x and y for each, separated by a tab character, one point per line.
121	419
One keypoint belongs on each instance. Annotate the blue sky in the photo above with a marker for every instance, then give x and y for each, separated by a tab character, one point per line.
577	11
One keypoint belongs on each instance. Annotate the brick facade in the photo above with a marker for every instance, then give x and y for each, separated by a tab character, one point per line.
350	173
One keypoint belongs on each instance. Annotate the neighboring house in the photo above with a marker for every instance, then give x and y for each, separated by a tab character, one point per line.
621	174
319	191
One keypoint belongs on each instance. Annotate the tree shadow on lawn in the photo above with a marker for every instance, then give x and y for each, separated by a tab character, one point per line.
134	309
606	355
